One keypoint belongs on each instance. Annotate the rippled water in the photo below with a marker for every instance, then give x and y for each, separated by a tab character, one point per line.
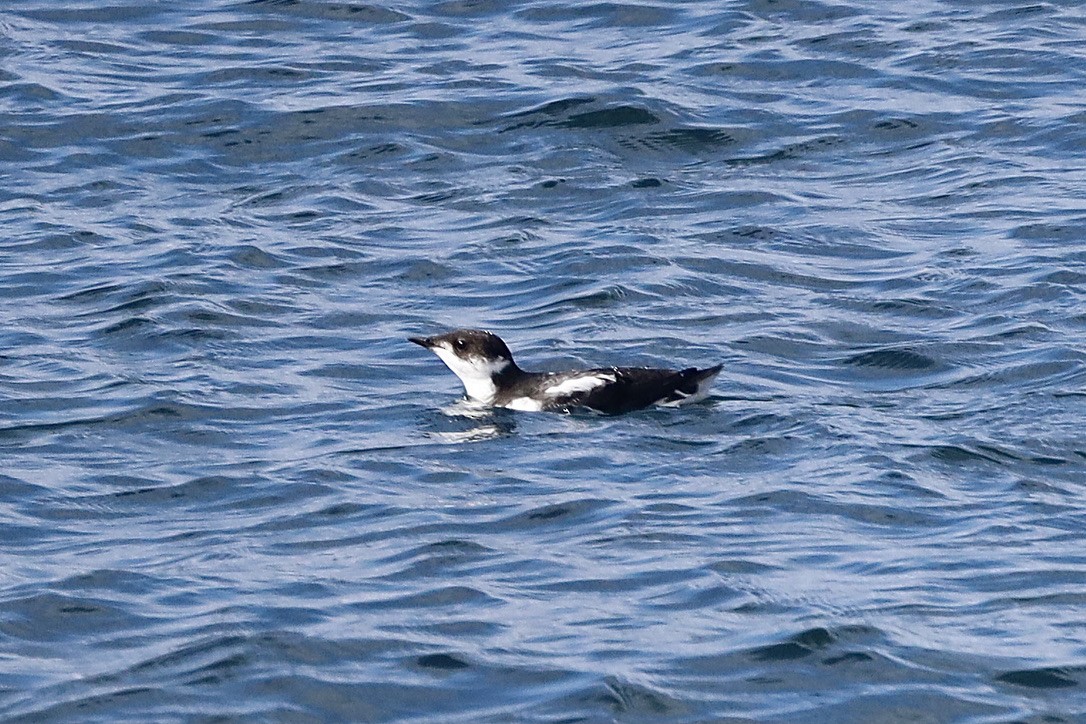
231	490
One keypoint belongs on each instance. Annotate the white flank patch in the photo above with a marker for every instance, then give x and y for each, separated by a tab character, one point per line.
573	385
524	404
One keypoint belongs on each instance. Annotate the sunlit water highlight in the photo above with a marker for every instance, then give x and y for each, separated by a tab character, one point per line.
231	490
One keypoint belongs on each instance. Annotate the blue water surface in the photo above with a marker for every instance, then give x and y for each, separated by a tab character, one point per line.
231	491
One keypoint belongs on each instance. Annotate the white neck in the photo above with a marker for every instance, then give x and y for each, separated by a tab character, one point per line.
476	373
480	390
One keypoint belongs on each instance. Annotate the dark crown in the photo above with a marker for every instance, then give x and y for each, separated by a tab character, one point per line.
475	343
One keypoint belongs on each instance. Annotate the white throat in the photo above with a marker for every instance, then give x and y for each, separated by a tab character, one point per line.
476	373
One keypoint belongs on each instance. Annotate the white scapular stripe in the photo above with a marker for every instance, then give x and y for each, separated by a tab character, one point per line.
574	385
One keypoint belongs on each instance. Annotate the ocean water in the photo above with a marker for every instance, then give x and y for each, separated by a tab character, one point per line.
230	490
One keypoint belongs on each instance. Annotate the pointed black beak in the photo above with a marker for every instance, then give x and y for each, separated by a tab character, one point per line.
421	341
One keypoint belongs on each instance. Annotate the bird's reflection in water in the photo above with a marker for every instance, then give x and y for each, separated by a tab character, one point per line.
472	423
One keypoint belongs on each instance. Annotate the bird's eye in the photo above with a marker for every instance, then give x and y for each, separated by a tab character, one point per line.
460	343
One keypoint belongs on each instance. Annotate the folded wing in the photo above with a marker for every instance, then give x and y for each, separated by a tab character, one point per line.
622	389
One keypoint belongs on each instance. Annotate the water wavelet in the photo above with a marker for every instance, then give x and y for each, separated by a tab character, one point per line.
230	489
